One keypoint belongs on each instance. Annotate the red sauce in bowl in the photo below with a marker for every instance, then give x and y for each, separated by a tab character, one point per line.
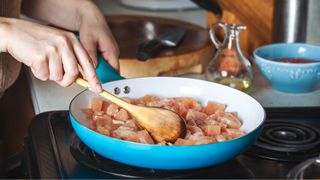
295	60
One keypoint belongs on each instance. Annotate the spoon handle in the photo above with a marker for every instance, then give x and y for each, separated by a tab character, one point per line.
106	95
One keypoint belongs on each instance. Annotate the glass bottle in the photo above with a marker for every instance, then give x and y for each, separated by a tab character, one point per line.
229	66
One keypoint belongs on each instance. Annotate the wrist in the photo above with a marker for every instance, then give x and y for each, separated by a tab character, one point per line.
88	12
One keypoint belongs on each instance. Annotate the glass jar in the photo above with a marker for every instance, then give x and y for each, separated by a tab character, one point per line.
229	66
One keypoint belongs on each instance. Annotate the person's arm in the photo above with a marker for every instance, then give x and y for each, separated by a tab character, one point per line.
78	15
51	54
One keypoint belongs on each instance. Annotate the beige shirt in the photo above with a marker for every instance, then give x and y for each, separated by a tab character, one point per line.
9	67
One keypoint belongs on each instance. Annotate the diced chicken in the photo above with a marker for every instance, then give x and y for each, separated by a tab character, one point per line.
208	124
105	106
168	102
184	142
187	102
120	122
229	119
122	127
149	98
103	130
197	107
173	108
188	134
220	138
88	113
197	116
234	133
112	109
105	121
212	107
195	129
97	113
131	124
211	130
102	120
205	140
96	104
124	134
144	137
182	110
121	115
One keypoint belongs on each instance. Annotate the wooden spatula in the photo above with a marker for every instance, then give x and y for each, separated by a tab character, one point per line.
162	124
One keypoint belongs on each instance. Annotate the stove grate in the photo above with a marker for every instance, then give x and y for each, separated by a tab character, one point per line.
287	141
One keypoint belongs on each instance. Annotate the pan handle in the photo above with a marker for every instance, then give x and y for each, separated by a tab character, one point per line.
104	71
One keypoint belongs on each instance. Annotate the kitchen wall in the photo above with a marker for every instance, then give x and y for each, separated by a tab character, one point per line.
199	16
196	16
313	28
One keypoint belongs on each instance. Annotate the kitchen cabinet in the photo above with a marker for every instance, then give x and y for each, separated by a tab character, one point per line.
257	15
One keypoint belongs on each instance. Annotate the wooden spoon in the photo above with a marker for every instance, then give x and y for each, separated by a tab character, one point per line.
162	124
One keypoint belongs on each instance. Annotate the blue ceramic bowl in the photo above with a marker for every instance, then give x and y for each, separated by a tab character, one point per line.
289	77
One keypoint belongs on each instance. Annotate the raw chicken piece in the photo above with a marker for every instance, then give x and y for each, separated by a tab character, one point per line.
96	104
212	107
144	137
211	129
112	109
196	116
121	115
205	124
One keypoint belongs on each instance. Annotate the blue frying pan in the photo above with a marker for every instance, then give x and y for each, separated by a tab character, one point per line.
249	110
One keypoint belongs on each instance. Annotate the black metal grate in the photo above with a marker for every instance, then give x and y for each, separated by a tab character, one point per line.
287	141
89	158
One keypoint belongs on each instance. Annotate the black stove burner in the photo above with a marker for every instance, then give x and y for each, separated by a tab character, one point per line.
89	158
287	141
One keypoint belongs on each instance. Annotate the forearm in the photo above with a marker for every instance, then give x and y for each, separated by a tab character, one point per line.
67	14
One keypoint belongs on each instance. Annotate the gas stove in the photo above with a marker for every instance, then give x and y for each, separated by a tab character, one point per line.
289	136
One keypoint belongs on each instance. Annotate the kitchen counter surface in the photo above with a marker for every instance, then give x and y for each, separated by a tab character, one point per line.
48	96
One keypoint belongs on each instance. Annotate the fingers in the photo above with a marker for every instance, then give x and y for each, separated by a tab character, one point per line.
90	46
70	67
112	59
87	67
40	69
110	52
62	61
47	65
55	65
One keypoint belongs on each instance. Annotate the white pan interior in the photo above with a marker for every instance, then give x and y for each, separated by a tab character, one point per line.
249	110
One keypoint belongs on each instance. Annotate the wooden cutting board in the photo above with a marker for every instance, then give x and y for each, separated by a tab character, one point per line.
190	56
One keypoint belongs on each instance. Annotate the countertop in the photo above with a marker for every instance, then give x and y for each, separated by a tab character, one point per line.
48	96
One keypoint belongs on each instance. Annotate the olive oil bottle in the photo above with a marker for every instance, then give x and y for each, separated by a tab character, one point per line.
229	66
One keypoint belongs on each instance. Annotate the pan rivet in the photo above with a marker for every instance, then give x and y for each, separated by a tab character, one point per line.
117	90
126	89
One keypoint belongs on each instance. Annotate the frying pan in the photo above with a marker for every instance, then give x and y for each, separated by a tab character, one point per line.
249	110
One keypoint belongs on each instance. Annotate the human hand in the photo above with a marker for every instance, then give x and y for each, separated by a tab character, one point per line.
95	34
52	54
